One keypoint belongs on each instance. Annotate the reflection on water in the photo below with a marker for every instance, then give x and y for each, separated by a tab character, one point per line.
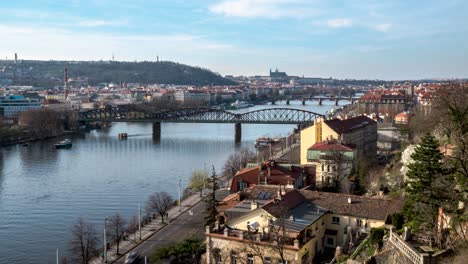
43	190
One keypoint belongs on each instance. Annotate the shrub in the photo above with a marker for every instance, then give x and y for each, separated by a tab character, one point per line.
376	235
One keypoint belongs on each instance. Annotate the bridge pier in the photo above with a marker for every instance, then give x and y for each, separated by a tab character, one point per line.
237	133
320	101
287	101
273	102
157	132
303	101
336	102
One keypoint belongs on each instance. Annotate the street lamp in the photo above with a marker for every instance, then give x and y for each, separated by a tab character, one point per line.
139	219
180	194
105	242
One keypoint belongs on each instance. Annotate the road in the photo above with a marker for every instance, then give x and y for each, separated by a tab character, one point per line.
189	224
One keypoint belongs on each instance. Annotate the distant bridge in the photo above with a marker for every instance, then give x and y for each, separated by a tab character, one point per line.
199	115
320	99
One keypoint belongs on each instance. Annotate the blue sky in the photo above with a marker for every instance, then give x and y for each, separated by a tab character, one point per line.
391	39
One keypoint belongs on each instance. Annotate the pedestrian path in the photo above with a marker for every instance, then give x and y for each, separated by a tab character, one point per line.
147	231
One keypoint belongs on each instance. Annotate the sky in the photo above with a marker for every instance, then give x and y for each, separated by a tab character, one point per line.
358	39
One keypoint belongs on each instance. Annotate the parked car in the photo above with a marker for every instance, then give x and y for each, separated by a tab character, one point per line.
131	257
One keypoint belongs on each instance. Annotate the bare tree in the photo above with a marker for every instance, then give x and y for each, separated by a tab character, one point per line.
159	202
236	162
117	225
84	242
132	226
338	169
42	122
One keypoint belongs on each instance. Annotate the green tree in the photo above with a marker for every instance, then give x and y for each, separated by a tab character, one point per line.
187	251
210	200
423	193
199	181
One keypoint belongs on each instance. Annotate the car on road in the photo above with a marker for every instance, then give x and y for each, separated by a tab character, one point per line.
131	257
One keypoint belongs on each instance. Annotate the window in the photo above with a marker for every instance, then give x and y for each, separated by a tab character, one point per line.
266	260
330	241
250	259
335	220
233	257
217	256
241	185
345	230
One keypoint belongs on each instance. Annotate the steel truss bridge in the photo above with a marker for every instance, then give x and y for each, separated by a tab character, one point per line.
200	115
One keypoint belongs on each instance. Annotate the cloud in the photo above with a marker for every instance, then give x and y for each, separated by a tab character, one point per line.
339	23
263	8
101	23
382	27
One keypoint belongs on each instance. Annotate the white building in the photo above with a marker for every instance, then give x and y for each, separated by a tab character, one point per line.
12	105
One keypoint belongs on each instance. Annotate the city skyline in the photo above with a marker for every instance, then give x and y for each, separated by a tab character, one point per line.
339	39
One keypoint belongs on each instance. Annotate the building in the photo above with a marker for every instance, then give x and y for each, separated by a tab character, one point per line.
277	76
402	118
192	96
332	161
295	226
272	173
360	132
12	105
387	103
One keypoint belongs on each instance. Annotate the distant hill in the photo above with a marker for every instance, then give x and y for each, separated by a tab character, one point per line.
50	73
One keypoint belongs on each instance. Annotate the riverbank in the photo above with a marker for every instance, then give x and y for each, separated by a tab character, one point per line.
150	228
29	139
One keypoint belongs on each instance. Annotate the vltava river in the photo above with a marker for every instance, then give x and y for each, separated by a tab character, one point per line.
44	190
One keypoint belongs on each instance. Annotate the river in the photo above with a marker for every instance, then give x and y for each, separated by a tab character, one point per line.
43	191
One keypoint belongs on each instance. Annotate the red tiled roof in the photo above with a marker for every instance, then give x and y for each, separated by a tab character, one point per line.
327	145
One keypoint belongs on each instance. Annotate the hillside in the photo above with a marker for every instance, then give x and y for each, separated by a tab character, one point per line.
50	73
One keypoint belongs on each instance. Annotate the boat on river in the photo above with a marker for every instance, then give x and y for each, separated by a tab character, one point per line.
240	104
66	143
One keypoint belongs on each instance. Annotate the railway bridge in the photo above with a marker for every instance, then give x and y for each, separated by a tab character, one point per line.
199	115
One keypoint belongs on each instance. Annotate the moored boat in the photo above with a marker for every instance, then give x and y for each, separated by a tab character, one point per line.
66	143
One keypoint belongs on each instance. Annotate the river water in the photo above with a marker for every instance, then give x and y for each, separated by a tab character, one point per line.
43	191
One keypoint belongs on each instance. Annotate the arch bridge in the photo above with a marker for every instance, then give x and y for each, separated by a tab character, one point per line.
199	115
319	99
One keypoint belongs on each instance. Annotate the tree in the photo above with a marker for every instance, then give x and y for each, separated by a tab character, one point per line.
236	162
132	226
84	242
117	227
42	122
340	167
187	251
199	181
423	198
159	202
210	200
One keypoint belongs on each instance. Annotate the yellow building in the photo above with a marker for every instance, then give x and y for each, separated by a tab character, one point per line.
360	132
294	227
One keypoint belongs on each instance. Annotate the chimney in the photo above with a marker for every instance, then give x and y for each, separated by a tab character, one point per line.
268	172
207	229
349	200
253	205
296	243
226	232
